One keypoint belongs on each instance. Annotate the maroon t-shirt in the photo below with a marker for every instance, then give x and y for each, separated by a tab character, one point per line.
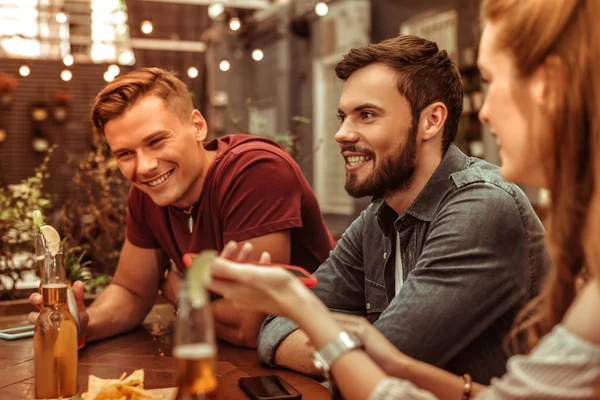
252	188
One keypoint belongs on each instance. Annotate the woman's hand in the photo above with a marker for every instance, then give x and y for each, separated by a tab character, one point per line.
271	290
381	350
174	277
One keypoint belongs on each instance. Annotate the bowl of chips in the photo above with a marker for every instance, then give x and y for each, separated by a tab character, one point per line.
125	388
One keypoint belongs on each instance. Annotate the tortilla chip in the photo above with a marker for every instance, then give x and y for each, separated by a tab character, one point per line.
136	378
141	393
125	388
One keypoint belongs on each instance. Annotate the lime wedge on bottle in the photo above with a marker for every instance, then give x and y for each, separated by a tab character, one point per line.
38	219
51	237
50	234
197	277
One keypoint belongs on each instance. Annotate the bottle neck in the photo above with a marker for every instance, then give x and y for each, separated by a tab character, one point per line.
54	294
39	245
54	282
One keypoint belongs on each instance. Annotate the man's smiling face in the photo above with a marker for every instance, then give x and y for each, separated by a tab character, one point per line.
377	139
158	152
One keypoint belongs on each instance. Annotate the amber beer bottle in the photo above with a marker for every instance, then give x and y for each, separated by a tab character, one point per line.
39	244
55	334
195	349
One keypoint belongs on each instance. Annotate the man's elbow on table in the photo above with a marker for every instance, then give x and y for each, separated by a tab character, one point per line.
294	353
282	344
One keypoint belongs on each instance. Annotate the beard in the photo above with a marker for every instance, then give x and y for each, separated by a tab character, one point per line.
394	173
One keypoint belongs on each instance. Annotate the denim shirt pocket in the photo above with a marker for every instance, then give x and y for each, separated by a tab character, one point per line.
375	300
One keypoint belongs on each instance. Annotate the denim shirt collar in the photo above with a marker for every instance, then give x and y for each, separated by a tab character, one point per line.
427	201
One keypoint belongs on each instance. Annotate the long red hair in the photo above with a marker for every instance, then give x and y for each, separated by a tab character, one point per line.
532	31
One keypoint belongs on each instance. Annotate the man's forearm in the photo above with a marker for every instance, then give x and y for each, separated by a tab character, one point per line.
293	353
115	311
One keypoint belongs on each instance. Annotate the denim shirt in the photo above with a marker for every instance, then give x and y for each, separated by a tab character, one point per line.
472	253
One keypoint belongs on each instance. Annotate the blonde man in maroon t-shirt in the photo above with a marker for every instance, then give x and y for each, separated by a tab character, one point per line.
188	196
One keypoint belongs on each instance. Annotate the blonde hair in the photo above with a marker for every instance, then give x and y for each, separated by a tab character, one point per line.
566	30
125	91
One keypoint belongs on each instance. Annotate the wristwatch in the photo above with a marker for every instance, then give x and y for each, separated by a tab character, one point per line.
326	356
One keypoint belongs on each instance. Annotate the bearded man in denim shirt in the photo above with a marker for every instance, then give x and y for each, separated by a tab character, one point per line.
447	252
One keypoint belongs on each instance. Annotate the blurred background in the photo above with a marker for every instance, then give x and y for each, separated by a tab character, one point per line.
263	67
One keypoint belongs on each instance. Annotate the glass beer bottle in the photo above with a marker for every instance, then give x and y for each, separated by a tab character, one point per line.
55	334
39	243
195	348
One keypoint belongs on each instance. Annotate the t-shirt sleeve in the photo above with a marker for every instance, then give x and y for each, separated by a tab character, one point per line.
260	193
137	230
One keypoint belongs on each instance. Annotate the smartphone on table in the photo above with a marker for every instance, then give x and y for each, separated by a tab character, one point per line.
18	332
269	387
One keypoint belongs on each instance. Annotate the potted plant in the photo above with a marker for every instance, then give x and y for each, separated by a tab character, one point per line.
94	215
17	203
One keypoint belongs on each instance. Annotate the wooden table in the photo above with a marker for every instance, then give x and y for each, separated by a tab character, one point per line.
148	347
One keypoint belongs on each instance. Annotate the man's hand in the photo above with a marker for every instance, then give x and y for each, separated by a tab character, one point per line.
235	327
231	324
36	300
384	353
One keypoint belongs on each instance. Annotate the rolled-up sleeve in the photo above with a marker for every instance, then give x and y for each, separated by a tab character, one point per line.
340	286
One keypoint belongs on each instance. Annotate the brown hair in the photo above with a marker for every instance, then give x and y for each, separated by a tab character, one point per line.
125	91
425	75
532	31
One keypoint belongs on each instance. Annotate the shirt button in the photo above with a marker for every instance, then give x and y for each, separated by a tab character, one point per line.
368	306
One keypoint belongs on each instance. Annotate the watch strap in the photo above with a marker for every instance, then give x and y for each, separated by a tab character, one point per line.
326	356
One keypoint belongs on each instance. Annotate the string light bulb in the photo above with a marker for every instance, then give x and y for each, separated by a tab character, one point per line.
321	9
224	65
61	17
24	70
68	60
216	9
66	75
114	69
235	24
192	72
108	77
257	54
147	27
